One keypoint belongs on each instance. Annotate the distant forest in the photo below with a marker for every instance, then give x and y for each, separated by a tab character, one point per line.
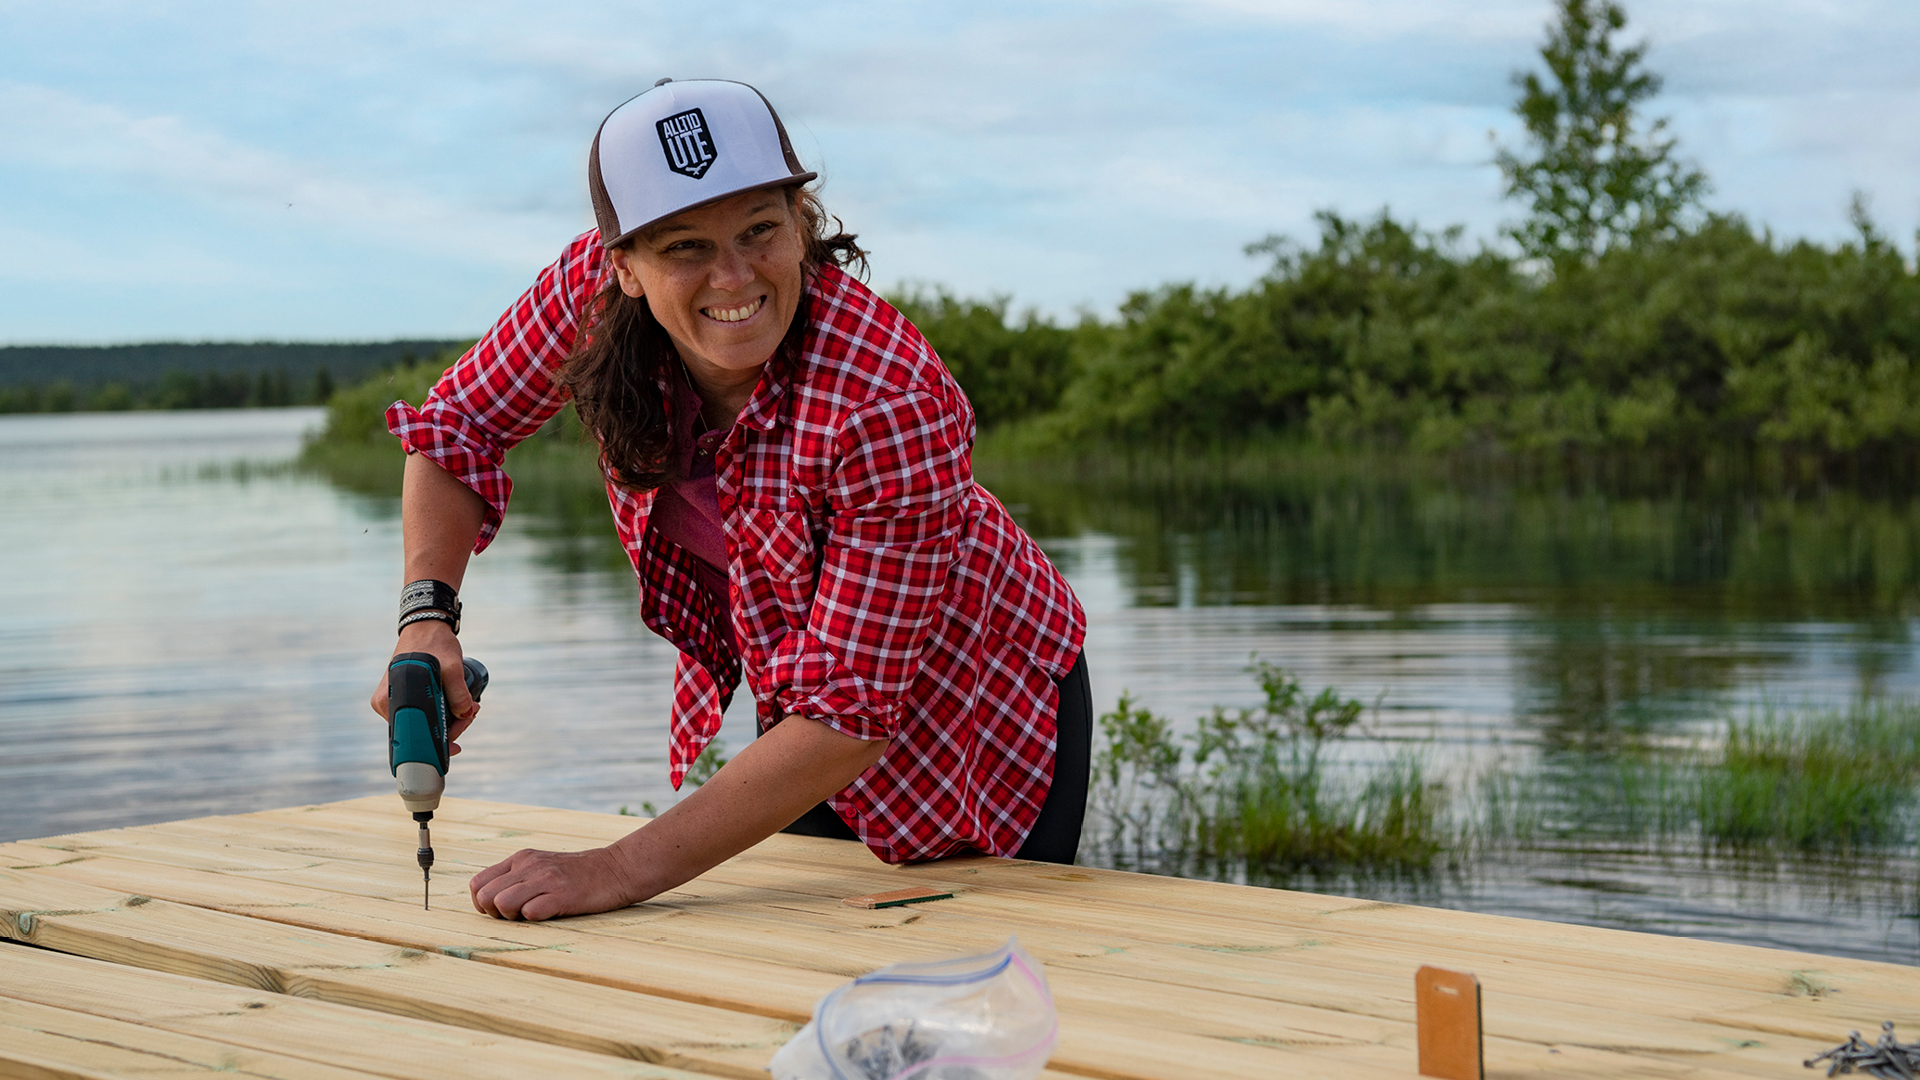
173	375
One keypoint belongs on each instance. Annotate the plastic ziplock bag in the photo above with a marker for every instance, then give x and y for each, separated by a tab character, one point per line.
985	1017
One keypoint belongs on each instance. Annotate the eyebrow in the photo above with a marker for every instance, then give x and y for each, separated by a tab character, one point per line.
663	230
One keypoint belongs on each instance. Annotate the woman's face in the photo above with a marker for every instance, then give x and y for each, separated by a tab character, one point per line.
724	280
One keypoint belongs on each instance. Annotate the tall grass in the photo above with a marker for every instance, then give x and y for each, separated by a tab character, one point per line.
1259	789
1821	781
1287	787
1837	779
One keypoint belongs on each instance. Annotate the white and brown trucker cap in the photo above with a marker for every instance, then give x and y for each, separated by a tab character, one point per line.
684	144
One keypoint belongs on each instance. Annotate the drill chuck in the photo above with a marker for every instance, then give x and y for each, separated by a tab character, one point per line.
425	854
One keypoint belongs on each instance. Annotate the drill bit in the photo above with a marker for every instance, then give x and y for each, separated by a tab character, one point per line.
425	857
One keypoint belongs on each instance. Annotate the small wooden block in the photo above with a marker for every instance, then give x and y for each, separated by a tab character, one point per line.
896	898
1448	1006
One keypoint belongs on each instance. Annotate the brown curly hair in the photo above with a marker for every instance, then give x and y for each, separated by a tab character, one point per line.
617	366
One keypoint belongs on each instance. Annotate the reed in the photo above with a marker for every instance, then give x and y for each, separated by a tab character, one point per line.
1812	781
1254	791
1831	780
1296	786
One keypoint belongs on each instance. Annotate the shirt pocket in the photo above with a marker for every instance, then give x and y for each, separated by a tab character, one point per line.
781	545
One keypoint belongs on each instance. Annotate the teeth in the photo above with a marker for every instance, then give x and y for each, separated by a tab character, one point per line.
734	314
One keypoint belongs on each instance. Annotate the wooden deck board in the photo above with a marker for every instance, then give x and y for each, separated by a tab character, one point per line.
1367	962
120	1011
1155	977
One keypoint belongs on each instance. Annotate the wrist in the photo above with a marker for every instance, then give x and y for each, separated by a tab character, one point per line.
429	600
427	635
638	875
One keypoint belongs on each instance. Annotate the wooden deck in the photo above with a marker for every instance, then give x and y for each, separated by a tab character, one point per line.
291	943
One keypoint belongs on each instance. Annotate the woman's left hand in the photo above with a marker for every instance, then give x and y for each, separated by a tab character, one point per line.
537	885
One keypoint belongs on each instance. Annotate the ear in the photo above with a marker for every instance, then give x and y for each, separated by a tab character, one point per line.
626	271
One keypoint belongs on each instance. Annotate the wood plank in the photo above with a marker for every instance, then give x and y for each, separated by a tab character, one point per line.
767	986
184	1017
1656	1031
44	1041
537	947
162	936
1041	879
24	856
1231	911
1780	977
212	945
1218	962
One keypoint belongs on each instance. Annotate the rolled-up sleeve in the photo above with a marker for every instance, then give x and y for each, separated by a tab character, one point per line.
895	511
506	386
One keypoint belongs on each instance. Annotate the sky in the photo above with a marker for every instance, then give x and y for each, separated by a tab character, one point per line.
360	171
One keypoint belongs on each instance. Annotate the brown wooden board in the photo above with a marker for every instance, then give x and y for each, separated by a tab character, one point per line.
1448	1008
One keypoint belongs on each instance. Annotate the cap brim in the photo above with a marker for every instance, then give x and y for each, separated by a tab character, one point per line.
785	181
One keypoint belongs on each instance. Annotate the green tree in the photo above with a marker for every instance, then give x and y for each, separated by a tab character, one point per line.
1009	370
1591	175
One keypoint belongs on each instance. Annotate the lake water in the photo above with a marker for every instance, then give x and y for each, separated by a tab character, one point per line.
189	626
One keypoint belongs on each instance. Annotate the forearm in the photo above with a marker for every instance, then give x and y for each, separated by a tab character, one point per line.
439	519
765	788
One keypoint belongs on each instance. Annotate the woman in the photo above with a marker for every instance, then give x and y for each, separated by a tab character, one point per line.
789	469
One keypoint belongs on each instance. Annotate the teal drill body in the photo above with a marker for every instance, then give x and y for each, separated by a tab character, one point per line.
418	748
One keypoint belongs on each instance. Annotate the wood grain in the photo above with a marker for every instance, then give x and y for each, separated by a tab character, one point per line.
103	1019
1155	977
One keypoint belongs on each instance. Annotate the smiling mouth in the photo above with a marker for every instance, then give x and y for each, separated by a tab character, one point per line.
735	314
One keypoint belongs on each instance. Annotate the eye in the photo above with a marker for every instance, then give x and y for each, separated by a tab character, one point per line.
762	228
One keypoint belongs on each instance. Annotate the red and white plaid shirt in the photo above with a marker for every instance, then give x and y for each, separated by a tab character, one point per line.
875	587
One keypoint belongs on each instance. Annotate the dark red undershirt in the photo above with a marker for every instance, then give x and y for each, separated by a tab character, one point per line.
687	511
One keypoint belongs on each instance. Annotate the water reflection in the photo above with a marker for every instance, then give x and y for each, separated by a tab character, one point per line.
1629	612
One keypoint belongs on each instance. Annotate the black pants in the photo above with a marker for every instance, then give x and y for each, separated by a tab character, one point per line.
1056	833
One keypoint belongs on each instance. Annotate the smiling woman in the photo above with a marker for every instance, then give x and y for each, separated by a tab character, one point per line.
789	467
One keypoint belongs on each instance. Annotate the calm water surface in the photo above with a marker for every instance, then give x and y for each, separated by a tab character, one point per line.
188	626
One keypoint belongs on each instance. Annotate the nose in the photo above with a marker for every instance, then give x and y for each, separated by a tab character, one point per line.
731	270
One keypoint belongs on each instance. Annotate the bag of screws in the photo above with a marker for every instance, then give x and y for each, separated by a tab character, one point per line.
985	1017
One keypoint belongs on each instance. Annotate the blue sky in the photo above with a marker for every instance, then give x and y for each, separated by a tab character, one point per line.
360	170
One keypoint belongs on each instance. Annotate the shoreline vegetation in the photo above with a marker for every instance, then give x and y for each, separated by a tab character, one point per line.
1297	786
1718	355
178	375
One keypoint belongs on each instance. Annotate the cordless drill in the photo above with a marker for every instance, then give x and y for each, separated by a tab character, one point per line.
417	739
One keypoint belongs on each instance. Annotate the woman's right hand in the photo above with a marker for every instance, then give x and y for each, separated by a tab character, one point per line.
436	637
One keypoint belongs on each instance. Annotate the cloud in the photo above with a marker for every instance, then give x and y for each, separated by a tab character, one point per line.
1500	20
1063	151
51	129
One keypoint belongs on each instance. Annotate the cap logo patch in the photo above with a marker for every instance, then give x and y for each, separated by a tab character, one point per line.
688	143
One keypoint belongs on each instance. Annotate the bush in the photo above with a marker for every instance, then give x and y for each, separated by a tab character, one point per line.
1385	335
1009	371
